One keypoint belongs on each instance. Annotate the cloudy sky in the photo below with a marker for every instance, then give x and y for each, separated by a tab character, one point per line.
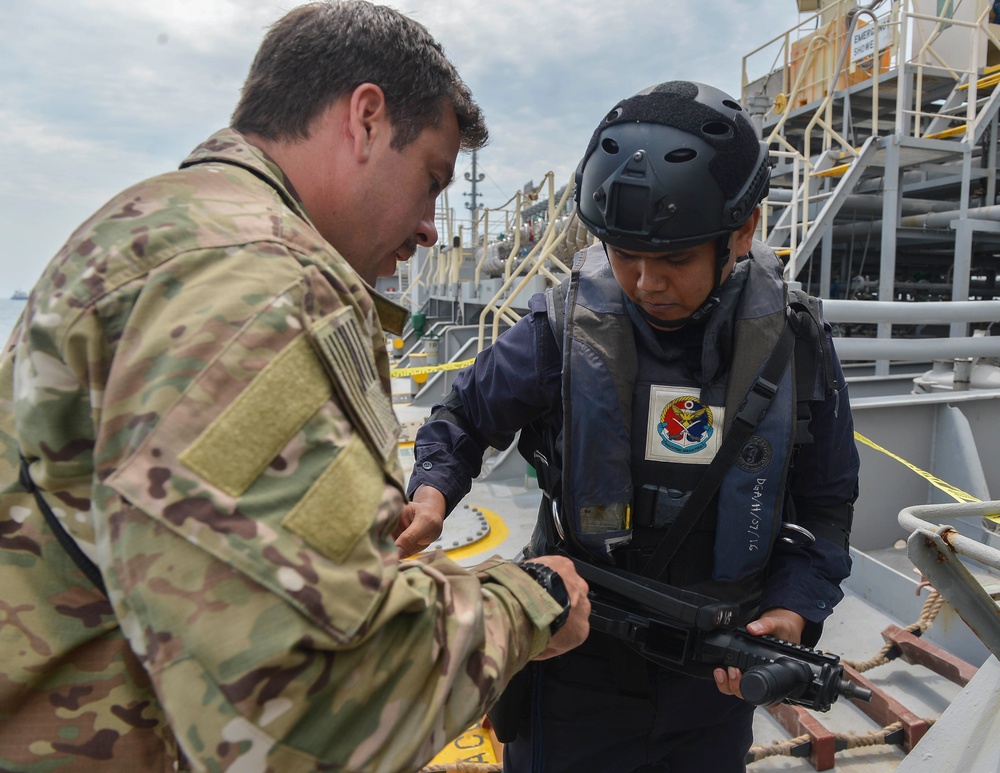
98	94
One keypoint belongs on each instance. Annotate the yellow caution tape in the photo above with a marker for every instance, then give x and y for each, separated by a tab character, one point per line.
425	369
953	491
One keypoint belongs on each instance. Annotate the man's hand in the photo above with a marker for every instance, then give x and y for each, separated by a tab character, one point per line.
577	626
421	521
780	623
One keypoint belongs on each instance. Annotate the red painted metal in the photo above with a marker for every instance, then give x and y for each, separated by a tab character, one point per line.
886	710
798	721
915	651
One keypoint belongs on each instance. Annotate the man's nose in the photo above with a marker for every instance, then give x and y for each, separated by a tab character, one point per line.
650	277
426	234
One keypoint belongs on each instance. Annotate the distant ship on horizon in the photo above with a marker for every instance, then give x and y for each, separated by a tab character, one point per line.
19	295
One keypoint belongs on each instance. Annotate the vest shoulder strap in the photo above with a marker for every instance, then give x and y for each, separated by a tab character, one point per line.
556	308
812	359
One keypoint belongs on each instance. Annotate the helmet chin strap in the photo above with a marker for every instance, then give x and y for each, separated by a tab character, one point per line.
707	306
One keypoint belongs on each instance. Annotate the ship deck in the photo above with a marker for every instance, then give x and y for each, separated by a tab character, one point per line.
497	516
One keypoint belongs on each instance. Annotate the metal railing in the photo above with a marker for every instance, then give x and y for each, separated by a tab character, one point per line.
913	45
540	260
937	551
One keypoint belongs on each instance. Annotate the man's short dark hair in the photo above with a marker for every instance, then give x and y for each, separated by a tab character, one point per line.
319	52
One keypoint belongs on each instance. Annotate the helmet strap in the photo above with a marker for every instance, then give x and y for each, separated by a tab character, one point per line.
708	305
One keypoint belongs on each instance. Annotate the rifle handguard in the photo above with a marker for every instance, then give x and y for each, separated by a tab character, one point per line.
693	633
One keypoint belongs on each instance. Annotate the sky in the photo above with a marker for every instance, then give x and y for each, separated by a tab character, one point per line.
98	94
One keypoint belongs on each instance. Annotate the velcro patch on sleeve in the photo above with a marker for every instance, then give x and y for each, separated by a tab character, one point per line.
243	440
340	506
347	354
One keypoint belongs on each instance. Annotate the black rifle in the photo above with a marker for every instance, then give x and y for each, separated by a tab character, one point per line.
694	633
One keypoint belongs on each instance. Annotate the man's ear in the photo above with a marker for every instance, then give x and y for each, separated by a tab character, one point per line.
368	120
743	238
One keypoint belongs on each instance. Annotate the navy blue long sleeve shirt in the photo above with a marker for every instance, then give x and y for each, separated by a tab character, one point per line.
517	381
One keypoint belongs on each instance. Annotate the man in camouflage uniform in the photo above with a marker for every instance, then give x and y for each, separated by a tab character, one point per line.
199	392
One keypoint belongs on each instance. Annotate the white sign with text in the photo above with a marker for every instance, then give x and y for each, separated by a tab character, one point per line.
863	41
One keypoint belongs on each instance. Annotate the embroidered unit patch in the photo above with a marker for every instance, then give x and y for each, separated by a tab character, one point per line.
681	427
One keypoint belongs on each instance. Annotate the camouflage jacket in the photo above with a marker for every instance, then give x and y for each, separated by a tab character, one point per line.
201	386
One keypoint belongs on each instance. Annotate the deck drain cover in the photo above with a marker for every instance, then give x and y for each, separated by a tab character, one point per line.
465	526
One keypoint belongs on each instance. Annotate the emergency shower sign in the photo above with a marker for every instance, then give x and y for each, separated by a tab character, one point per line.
863	41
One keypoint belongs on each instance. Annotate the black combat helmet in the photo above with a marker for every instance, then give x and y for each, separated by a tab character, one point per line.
675	165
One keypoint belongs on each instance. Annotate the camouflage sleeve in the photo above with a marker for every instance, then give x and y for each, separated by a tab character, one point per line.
249	489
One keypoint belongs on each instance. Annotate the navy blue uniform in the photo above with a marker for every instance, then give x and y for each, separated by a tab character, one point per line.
602	707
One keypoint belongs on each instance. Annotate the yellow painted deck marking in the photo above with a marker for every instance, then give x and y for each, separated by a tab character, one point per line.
474	745
497	534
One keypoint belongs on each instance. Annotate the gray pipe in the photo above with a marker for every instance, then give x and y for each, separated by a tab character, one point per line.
917	313
870	202
916	348
927	220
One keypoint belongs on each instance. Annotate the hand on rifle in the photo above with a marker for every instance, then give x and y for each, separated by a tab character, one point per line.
577	626
780	623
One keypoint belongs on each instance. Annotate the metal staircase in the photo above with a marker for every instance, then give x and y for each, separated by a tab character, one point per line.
885	156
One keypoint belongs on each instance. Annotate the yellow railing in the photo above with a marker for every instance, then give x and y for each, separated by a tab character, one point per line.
540	260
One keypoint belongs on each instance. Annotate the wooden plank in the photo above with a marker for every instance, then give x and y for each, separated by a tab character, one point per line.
918	652
798	721
885	710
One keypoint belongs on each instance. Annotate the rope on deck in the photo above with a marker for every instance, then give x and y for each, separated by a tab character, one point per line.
874	738
776	749
928	612
846	741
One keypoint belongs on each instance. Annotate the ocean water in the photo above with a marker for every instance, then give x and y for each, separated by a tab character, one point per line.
9	312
